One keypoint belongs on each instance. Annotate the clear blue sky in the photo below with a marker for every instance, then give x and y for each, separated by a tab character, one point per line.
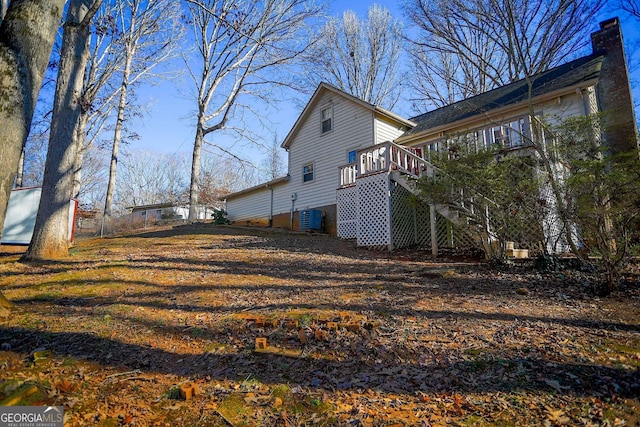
169	125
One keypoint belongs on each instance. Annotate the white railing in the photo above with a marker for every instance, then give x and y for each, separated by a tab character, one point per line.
348	174
385	157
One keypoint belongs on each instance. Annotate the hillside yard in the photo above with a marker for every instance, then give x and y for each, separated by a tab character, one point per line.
160	328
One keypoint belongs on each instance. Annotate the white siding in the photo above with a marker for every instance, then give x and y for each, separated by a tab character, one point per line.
386	131
251	205
554	111
352	129
355	126
566	106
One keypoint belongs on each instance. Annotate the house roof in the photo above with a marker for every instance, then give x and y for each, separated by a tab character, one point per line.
153	206
564	77
271	183
324	87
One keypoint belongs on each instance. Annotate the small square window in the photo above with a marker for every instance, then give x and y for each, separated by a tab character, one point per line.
327	119
352	156
307	173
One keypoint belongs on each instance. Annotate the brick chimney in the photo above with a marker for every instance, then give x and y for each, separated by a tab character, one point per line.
614	89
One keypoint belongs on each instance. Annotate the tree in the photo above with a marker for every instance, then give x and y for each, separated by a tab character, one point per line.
490	43
497	194
51	235
274	164
238	44
603	193
360	57
151	177
222	176
150	32
27	32
632	7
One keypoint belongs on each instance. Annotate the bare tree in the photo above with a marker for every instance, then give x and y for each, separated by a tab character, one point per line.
151	32
274	163
238	43
150	177
492	42
360	57
51	235
98	93
632	7
222	176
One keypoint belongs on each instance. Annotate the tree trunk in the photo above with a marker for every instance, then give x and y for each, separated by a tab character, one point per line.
25	48
51	233
80	135
117	136
195	169
20	174
27	33
4	4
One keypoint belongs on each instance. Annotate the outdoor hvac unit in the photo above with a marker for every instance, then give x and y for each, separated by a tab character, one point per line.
311	219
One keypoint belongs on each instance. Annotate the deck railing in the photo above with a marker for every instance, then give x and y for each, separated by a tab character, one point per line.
385	157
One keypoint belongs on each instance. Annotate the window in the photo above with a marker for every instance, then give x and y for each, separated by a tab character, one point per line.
307	173
352	156
327	119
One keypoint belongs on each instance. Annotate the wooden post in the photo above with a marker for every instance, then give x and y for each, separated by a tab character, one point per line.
434	231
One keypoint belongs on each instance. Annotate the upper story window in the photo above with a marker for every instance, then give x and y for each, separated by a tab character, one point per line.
352	156
307	172
327	119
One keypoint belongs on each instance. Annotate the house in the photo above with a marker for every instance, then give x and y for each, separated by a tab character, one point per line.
358	163
332	127
153	213
382	204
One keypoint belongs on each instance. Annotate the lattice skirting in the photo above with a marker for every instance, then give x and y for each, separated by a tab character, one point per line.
410	219
374	222
347	212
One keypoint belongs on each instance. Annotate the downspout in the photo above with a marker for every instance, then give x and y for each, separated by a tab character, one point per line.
271	208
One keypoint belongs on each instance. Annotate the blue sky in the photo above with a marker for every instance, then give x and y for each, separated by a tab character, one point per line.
169	124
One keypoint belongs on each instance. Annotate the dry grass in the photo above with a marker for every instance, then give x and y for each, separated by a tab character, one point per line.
122	324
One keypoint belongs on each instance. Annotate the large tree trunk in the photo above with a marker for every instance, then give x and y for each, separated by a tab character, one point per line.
27	33
51	233
195	169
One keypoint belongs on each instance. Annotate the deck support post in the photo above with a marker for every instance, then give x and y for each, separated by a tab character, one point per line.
434	231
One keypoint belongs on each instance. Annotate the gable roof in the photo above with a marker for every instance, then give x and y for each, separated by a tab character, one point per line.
326	87
570	75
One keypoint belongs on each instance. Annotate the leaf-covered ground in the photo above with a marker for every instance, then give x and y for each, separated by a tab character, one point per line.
127	328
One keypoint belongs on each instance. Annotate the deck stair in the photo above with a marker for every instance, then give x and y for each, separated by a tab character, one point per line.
361	198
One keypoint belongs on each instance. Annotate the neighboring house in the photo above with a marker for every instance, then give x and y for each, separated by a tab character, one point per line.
166	212
357	162
328	133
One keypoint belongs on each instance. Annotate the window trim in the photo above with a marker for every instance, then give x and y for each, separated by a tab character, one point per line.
323	120
312	172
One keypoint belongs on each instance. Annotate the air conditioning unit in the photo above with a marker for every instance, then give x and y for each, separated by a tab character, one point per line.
311	219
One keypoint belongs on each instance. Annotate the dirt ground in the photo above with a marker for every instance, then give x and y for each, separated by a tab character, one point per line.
205	325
